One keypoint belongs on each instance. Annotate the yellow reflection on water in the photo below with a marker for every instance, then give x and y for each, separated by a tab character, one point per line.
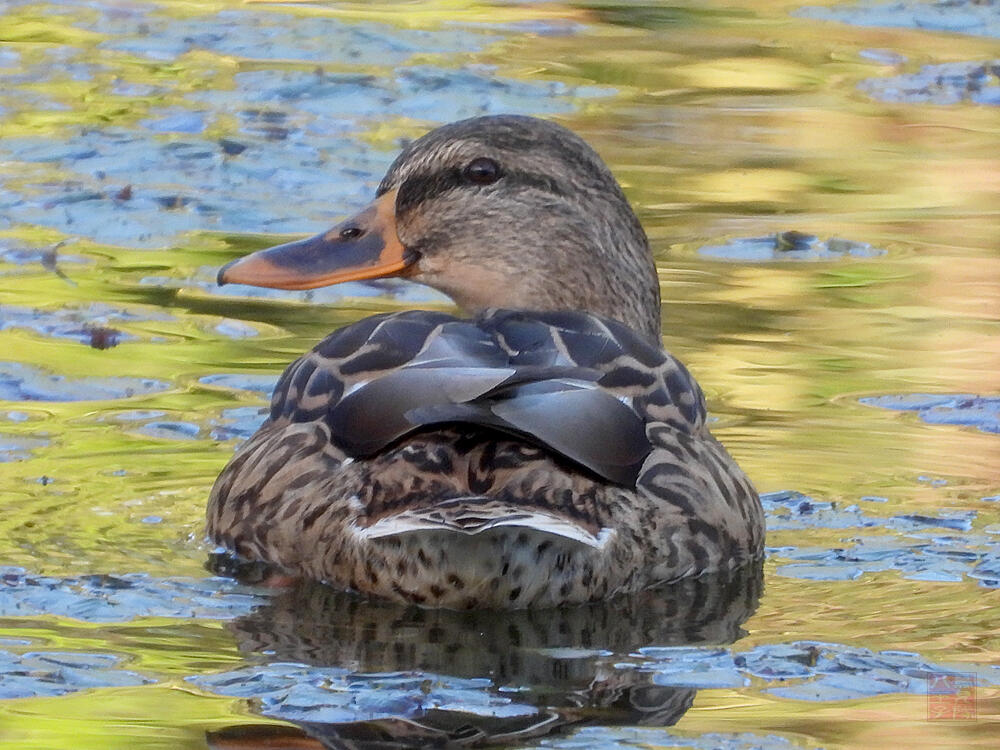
727	121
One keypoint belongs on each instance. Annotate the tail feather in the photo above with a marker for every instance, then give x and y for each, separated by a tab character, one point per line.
475	515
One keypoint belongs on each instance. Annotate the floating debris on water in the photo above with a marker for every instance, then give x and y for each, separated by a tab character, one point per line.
87	324
102	337
231	148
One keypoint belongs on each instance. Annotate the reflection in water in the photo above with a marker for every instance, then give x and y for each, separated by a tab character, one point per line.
555	663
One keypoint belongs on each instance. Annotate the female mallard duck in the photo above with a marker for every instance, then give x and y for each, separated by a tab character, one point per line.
545	451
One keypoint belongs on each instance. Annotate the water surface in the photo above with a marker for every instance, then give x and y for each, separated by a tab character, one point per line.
820	188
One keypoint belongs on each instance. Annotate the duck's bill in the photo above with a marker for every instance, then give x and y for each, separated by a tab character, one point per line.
363	247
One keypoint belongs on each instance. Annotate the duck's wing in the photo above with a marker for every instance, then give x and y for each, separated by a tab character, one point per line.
639	373
575	384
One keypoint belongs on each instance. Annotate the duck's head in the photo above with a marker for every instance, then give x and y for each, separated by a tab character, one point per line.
499	211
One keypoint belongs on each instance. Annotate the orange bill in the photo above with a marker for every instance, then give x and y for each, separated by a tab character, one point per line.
363	247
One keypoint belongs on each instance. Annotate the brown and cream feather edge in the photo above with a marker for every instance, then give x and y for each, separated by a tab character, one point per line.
459	515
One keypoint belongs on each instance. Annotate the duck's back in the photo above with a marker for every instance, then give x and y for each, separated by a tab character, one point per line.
515	459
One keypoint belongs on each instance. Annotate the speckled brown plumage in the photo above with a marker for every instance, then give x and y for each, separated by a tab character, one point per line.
547	454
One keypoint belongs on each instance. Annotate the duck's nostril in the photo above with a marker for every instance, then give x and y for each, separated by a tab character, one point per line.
351	233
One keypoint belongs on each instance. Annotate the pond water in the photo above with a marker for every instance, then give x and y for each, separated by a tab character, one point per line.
820	185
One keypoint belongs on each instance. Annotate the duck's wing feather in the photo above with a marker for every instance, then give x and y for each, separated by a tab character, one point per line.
657	386
578	385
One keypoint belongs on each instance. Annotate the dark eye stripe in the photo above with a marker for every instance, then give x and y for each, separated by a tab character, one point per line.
421	188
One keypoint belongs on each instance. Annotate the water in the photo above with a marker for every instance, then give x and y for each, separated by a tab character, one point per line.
820	187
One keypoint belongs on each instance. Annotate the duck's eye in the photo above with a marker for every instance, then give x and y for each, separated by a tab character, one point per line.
482	171
351	233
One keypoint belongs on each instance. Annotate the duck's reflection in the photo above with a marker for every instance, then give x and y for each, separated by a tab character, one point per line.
561	661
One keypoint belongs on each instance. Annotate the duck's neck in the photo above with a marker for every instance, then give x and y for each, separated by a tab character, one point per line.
625	291
578	247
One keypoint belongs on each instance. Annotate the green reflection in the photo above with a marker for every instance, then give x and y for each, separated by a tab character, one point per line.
727	121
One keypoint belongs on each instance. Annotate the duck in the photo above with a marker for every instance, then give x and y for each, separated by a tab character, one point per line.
539	448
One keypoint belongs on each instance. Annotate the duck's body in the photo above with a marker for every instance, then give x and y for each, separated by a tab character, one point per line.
526	457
